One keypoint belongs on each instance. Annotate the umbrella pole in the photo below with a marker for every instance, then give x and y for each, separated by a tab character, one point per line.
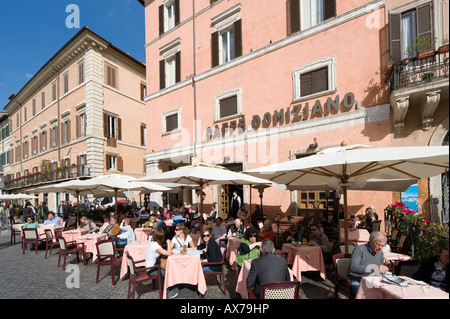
250	204
78	210
201	205
115	195
345	219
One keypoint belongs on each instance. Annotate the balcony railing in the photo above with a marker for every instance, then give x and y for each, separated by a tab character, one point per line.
416	72
40	178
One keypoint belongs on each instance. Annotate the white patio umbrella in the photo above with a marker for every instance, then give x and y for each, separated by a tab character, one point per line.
16	196
203	174
343	167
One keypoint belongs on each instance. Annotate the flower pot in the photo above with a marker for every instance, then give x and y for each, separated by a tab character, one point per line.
425	54
388	69
443	49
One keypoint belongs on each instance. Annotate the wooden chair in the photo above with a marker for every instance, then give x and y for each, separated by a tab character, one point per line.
30	236
67	248
139	275
278	290
49	241
376	225
16	230
341	263
407	268
221	273
106	253
399	246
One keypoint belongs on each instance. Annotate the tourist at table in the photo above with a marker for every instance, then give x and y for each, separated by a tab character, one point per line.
142	214
267	268
434	270
370	217
53	220
242	212
86	223
210	249
219	231
127	234
213	214
317	237
151	223
255	216
249	248
113	228
31	223
153	257
366	259
160	223
105	223
236	229
181	238
291	234
267	231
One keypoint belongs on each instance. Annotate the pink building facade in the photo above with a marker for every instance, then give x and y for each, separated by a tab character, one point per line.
246	84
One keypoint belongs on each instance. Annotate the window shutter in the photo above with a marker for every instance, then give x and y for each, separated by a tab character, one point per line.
171	122
424	21
305	84
329	9
238	38
177	67
228	106
105	125
119	163
68	135
142	135
294	12
63	133
161	19
177	12
119	128
215	49
395	46
78	165
77	125
320	78
162	74
107	162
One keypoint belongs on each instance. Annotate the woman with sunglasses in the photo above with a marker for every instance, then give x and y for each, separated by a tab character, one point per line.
181	238
250	247
211	249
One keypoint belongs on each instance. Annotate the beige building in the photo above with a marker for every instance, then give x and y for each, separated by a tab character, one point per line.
80	115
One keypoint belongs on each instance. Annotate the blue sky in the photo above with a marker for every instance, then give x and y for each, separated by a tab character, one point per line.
32	31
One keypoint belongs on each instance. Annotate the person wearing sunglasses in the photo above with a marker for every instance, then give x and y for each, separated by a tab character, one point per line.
181	237
250	247
318	238
211	250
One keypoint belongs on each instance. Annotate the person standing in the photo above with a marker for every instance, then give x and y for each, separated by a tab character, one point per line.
41	212
235	204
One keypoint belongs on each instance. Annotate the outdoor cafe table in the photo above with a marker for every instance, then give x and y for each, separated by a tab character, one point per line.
305	258
41	230
185	269
72	235
391	260
293	220
137	250
142	233
372	287
89	241
357	236
232	249
241	284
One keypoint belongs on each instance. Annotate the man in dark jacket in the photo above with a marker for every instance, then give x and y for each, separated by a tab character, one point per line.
267	268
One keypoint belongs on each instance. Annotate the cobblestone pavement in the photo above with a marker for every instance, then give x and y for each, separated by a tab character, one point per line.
31	276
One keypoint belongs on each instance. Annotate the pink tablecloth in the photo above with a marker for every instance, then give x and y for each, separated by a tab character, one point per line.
137	250
142	233
241	284
89	241
184	269
72	235
305	258
357	236
41	230
232	249
372	288
391	260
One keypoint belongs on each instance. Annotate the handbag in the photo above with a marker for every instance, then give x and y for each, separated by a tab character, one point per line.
162	262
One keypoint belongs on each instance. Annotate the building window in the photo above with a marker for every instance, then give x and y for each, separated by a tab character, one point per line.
405	27
114	163
25	117
316	78
171	121
66	82
43	141
34	145
228	104
53	136
81	125
305	14
111	76
170	71
65	132
17	119
81	72
42	100
169	15
226	42
143	134
54	91
33	106
112	129
143	90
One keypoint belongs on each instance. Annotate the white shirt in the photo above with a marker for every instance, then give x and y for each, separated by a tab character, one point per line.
127	233
152	254
104	226
179	243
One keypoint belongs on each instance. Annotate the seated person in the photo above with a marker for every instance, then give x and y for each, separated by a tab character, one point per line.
161	224
105	223
267	268
434	270
181	238
242	212
317	237
127	234
113	228
291	234
219	231
367	259
31	223
249	248
237	229
142	214
212	215
151	223
211	250
267	231
53	220
86	223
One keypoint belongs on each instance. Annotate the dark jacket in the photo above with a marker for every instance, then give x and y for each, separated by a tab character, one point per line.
427	269
265	269
213	253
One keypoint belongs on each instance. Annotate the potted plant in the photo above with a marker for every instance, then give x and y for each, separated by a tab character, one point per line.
427	76
424	47
444	47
